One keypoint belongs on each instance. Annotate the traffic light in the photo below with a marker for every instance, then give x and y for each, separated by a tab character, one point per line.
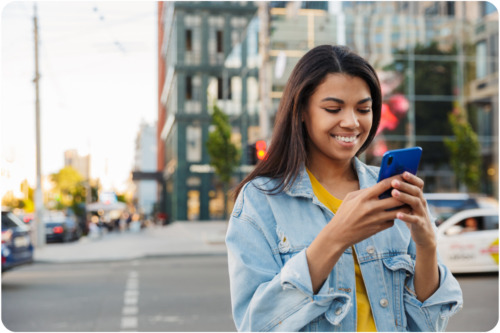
260	146
256	152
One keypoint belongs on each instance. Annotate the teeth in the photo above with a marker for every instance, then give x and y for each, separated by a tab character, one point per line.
345	139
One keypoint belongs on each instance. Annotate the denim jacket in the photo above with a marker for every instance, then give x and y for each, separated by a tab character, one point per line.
271	288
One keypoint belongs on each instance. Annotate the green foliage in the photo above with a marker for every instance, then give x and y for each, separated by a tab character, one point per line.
224	155
465	150
70	190
68	183
121	198
28	205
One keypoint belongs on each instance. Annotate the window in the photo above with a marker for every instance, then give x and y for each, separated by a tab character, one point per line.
193	205
193	144
189	42
220	89
481	70
450	8
189	88
219	42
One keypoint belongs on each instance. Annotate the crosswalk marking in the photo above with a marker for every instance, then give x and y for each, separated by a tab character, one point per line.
130	300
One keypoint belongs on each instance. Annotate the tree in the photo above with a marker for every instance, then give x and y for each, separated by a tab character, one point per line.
69	188
465	150
224	155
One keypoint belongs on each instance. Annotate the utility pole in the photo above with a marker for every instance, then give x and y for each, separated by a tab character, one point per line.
40	225
263	13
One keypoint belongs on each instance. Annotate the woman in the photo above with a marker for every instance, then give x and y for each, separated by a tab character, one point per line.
310	245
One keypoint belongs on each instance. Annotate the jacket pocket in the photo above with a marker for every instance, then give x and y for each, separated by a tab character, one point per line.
399	269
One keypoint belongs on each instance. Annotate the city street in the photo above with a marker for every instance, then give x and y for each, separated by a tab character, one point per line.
163	294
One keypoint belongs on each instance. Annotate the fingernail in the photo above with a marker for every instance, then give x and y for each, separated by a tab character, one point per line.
399	215
406	175
395	193
395	183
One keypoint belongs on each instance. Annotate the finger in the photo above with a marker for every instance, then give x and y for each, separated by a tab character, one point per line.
407	218
383	186
354	194
390	215
414	202
413	179
384	204
407	188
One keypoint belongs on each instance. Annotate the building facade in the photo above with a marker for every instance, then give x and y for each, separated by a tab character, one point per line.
77	162
145	194
197	39
211	55
455	42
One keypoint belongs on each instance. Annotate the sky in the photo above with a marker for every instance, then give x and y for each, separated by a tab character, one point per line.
98	67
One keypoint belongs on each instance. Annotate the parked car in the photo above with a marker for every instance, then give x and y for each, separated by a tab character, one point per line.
468	241
17	249
445	205
59	227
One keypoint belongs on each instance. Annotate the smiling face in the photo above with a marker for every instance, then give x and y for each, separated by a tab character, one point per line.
339	117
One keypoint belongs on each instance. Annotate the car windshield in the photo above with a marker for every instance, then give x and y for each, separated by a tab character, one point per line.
53	224
443	209
11	221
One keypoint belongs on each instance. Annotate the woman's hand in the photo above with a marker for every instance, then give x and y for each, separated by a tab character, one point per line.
410	192
426	279
362	214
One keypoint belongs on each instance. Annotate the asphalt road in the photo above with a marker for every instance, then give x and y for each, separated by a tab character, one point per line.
165	294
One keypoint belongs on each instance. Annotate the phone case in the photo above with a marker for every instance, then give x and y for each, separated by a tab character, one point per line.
395	162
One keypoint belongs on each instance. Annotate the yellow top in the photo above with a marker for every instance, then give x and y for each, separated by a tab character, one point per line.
366	323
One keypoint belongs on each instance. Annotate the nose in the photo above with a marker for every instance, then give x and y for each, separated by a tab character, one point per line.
350	120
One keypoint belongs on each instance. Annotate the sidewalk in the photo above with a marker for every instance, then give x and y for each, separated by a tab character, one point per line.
177	239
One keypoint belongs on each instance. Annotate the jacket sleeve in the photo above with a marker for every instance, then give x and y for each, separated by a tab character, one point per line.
268	296
433	314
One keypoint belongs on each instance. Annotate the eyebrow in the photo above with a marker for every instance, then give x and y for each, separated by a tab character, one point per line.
333	99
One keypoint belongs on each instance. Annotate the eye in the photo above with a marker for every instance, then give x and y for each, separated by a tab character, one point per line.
364	110
332	111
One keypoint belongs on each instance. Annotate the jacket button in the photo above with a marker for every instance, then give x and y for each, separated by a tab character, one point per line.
384	303
370	249
338	311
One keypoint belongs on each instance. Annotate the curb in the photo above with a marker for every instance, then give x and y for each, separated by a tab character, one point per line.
147	256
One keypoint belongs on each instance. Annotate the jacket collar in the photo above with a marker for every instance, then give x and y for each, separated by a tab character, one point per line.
303	188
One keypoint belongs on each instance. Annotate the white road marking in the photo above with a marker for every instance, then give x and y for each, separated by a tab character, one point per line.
129	322
131	293
131	300
130	310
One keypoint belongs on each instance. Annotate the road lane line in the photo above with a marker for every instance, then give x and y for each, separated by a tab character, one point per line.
130	310
129	322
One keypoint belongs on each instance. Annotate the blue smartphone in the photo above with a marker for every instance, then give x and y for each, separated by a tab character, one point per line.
395	162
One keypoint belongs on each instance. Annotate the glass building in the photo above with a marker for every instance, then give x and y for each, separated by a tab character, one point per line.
432	58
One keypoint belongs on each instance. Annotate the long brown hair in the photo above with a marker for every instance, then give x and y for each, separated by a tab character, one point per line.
288	150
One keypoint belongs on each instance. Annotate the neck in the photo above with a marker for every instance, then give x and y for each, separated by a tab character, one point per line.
330	171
